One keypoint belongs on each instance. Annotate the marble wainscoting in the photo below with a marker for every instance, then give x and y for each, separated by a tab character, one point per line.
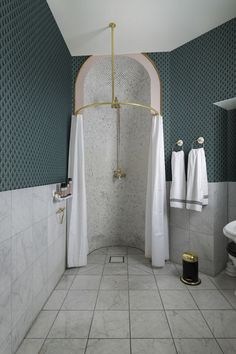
32	259
231	201
202	231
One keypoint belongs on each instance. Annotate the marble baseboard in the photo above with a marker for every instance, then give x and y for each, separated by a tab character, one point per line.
32	259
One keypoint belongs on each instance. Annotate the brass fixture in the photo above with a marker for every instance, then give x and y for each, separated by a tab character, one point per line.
61	213
113	103
119	172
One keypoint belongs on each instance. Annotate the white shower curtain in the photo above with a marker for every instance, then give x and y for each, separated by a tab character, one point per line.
77	242
156	226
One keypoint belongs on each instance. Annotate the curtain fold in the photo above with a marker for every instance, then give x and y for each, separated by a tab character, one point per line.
156	224
77	241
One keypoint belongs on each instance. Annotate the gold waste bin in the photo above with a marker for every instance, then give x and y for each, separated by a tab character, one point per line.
190	269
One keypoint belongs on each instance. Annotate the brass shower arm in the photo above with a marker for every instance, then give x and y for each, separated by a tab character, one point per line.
114	103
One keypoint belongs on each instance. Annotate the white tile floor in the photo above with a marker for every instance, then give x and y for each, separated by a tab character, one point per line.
131	308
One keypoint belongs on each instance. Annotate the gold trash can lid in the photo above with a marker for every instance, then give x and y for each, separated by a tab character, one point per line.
190	257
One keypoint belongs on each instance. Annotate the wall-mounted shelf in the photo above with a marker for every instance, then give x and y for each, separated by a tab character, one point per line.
58	198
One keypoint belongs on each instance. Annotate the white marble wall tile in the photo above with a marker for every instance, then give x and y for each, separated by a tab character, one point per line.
20	328
40	273
5	314
203	245
232	194
22	201
205	230
40	238
179	218
22	252
21	295
5	216
5	347
40	203
5	265
202	221
25	278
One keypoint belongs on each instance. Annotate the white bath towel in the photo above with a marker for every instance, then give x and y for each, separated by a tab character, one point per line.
178	185
197	184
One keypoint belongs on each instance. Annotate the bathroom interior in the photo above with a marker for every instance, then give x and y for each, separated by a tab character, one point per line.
118	177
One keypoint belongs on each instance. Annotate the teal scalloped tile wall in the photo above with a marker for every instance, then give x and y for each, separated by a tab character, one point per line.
203	71
231	146
35	96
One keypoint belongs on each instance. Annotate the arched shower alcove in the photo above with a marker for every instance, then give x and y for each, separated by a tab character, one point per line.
116	208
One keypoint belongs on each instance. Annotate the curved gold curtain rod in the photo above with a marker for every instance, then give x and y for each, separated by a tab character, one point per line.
114	102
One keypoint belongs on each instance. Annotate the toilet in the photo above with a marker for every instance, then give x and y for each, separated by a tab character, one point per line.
230	232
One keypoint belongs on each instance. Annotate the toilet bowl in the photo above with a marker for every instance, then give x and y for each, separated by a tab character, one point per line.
230	232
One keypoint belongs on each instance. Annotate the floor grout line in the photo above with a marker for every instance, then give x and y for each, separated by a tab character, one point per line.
129	274
58	311
165	313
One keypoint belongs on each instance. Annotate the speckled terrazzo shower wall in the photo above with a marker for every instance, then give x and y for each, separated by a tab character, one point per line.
161	62
116	208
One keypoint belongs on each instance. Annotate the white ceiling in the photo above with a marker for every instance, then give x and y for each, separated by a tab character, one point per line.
142	25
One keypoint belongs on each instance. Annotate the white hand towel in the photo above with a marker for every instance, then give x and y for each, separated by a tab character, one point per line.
197	185
178	185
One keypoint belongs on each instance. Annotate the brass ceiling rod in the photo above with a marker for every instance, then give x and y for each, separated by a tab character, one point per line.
113	103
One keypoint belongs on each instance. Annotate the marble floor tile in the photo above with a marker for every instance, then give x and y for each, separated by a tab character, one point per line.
149	324
113	282
142	282
102	250
153	346
91	269
210	299
188	324
169	282
63	346
86	282
117	250
116	259
108	346
206	284
71	271
42	324
230	296
227	345
197	346
56	299
145	300
115	269
221	322
110	324
80	300
71	324
224	281
168	269
112	300
138	259
140	269
177	300
133	250
65	282
96	258
30	346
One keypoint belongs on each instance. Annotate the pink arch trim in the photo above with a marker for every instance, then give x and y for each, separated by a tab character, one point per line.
140	58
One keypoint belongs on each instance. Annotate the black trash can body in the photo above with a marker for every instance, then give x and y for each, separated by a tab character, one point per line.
190	269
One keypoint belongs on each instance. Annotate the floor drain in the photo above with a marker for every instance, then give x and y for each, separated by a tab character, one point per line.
117	259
